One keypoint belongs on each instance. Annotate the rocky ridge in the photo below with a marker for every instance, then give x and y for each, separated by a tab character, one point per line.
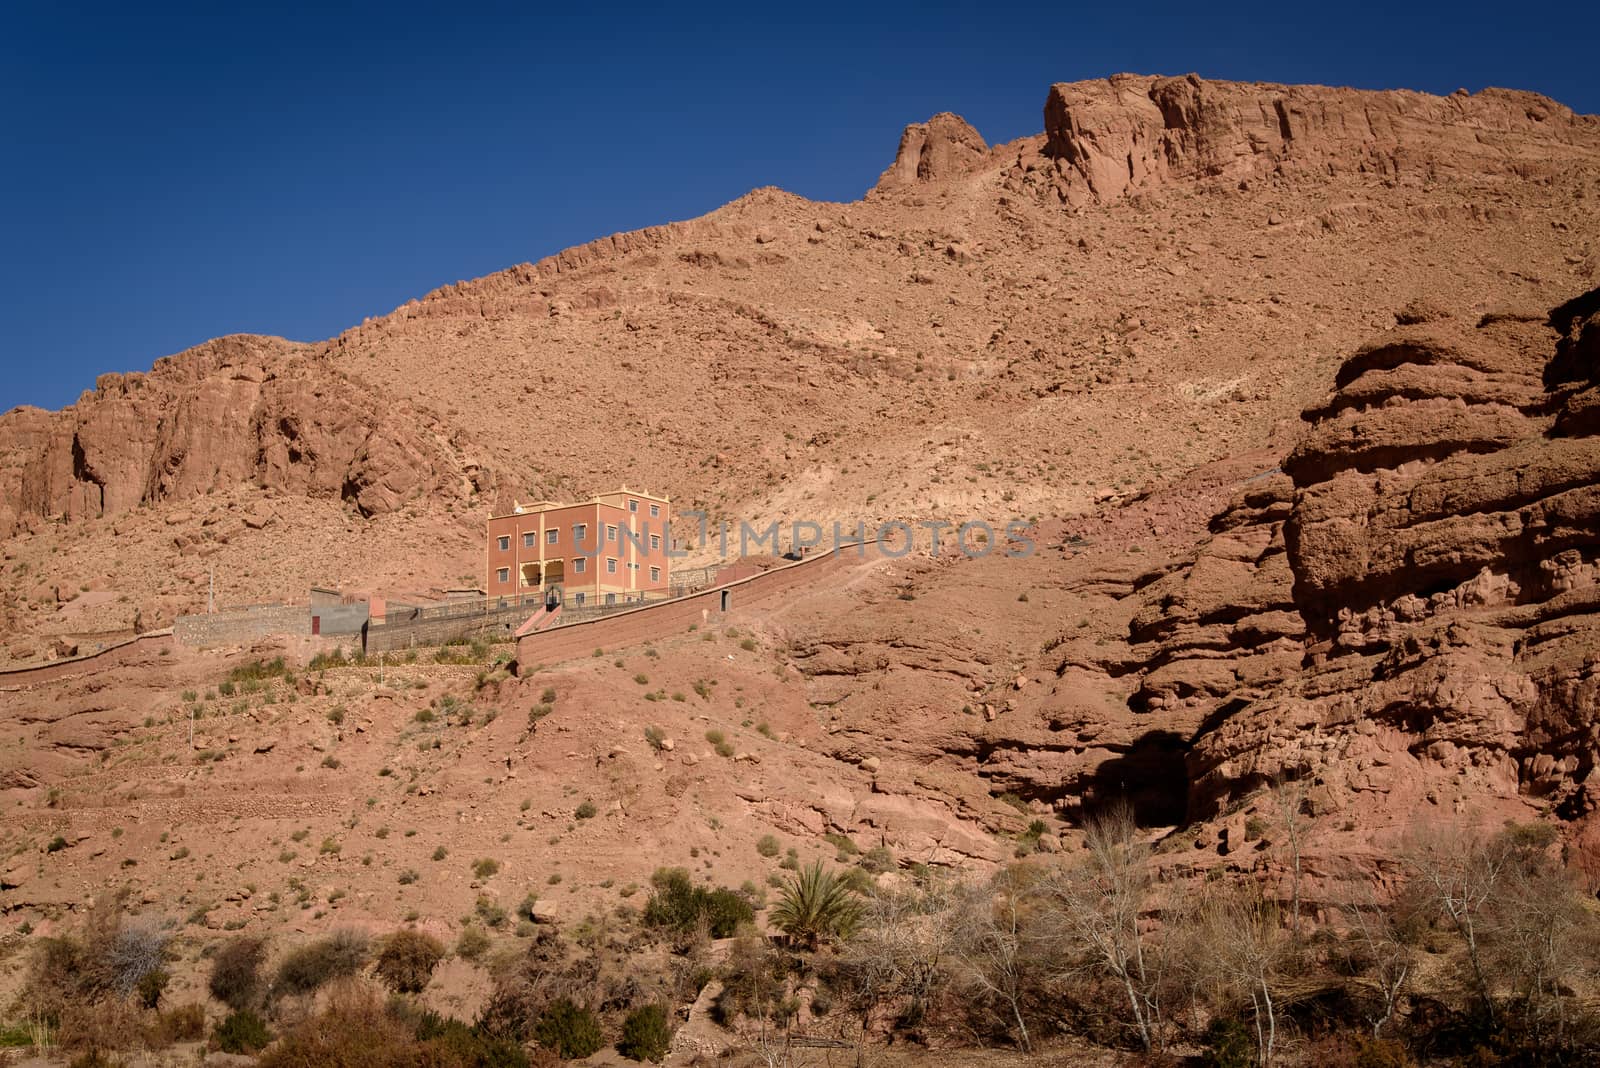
1133	133
1405	617
237	410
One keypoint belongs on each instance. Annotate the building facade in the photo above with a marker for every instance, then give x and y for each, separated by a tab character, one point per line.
607	550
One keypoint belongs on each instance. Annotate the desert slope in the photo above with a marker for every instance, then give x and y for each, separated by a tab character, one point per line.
993	331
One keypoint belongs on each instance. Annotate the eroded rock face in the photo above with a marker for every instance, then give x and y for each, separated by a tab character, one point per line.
946	146
238	409
1409	615
1131	133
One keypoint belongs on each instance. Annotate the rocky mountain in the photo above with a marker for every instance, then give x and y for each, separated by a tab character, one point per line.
1294	390
237	410
1161	279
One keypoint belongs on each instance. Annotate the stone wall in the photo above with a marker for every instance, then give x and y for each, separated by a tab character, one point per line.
25	677
405	633
241	624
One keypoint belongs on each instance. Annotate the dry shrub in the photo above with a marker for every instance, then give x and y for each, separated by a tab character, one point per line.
525	987
354	1031
358	1030
112	1024
106	959
306	968
407	959
1358	1051
236	972
184	1023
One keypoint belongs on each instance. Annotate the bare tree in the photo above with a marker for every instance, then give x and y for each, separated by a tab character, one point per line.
1289	801
902	951
1542	938
755	984
1240	939
1093	910
1459	876
996	948
1385	960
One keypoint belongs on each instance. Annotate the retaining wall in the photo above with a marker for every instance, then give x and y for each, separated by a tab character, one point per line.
657	621
403	634
241	624
21	678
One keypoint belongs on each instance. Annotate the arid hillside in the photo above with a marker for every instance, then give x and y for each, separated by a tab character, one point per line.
1160	279
1294	390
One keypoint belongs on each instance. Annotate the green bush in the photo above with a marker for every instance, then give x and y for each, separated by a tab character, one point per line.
236	972
571	1031
678	904
448	1041
646	1034
767	846
485	867
473	943
151	986
308	967
407	959
241	1032
1228	1045
585	811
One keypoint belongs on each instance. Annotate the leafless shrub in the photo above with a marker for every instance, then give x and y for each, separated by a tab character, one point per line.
1238	949
902	956
137	950
1377	957
1093	914
999	953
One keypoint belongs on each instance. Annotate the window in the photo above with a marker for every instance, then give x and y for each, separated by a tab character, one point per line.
633	506
504	574
577	599
580	565
611	565
579	532
528	539
504	542
655	510
655	541
611	533
551	535
655	574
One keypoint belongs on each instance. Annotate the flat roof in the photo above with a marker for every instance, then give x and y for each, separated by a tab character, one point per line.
535	507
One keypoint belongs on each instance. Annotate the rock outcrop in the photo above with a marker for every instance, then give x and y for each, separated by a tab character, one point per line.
1112	138
237	409
946	146
1408	615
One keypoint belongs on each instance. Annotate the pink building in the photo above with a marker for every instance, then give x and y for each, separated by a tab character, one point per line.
609	549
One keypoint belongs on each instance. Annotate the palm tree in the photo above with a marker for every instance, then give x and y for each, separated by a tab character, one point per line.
816	905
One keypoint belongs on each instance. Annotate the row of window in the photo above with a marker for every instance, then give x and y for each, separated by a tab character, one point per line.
552	537
579	566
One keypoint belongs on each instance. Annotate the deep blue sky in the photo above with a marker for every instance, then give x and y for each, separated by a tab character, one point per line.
166	178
